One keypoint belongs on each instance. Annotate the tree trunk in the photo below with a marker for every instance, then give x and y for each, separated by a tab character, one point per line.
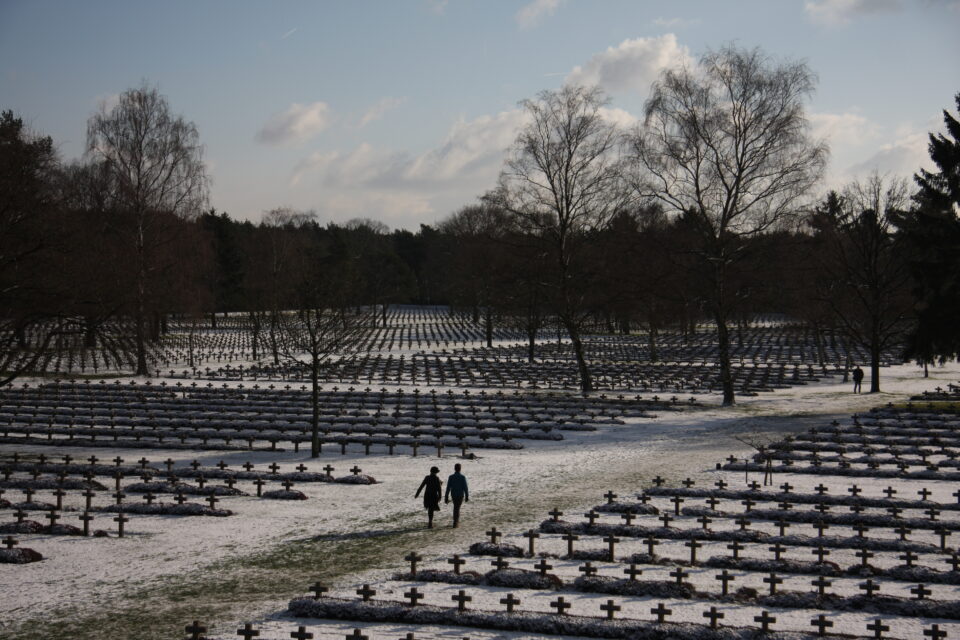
586	382
255	328
89	333
723	356
652	342
818	338
488	327
315	405
531	342
926	369
164	326
476	314
213	319
385	306
154	327
141	343
874	364
274	320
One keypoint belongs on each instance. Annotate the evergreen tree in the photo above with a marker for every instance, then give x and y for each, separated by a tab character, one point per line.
930	232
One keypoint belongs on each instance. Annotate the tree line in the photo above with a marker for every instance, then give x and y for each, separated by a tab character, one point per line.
703	210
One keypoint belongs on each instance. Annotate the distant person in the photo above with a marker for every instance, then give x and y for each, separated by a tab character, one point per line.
457	489
431	497
857	379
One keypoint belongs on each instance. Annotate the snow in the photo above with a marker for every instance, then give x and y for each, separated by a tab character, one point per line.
511	489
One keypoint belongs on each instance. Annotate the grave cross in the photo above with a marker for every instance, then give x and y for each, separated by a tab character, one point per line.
661	612
413	558
869	586
921	591
413	596
318	590
248	632
908	557
366	592
610	496
773	580
611	542
356	635
461	599
570	538
510	601
494	535
822	624
10	542
456	561
86	518
693	544
555	514
356	470
714	615
736	547
560	605
705	522
765	620
588	570
542	566
301	634
820	552
53	516
924	493
120	520
633	571
500	564
611	608
196	630
878	628
724	577
531	535
591	516
677	501
821	583
679	574
777	550
934	632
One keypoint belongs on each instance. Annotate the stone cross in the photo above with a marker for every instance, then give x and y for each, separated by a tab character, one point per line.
773	580
510	601
86	518
413	558
196	630
714	615
366	592
935	633
456	561
560	605
661	612
611	608
588	570
542	566
120	520
570	537
821	583
531	535
869	586
413	596
765	620
878	628
724	577
318	590
461	599
301	634
921	591
248	632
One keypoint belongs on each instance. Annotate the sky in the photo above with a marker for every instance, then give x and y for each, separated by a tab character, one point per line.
401	110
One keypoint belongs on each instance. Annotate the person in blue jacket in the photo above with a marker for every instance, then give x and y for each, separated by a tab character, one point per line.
457	489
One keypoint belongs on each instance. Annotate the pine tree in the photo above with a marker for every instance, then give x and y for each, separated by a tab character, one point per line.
930	232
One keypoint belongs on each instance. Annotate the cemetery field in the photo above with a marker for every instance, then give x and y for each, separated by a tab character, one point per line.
246	557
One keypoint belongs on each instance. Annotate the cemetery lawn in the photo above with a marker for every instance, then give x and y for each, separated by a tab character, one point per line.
150	587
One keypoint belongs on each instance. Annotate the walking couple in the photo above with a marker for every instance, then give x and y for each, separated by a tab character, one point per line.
432	488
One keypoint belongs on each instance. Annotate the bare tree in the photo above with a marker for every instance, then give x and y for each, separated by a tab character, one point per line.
866	281
563	181
727	143
155	162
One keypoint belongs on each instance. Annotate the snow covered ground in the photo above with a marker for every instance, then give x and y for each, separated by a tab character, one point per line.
375	526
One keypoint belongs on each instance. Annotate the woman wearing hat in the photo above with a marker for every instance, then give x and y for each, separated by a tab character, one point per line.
431	497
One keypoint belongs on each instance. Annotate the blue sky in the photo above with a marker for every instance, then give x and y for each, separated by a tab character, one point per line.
400	110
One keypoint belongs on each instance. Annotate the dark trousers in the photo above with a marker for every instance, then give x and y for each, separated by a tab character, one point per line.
457	501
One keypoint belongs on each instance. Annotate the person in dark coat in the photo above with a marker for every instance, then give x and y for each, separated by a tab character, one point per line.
431	496
857	379
457	488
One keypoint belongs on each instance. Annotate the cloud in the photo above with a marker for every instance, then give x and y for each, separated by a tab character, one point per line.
289	33
376	111
471	146
295	125
616	115
630	66
672	23
902	157
846	129
835	13
530	14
